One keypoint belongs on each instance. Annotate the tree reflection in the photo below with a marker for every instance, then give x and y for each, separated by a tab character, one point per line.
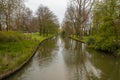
45	54
66	59
78	61
108	64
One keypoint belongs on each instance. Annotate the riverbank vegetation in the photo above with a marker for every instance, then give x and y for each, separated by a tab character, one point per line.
21	32
83	40
99	20
16	48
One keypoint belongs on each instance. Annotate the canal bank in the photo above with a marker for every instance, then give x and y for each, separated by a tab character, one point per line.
85	41
30	48
66	59
77	39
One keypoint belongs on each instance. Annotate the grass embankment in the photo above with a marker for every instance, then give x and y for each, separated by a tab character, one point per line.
15	48
84	39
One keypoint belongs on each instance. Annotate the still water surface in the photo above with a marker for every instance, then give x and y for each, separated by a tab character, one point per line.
65	59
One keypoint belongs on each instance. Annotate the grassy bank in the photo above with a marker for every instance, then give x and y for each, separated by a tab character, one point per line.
15	48
90	44
84	39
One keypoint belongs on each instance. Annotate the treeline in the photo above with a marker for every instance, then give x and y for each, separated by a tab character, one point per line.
15	16
97	19
106	25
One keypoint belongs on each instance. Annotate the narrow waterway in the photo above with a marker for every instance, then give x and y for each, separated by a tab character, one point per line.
65	59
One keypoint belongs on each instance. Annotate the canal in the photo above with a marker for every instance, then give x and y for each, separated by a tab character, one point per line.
65	59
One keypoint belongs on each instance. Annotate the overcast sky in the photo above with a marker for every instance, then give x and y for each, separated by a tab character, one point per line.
57	6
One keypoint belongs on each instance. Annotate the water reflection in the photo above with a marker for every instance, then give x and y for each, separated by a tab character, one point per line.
78	62
66	59
108	64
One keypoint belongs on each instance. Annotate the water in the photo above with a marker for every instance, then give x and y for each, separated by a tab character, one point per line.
66	59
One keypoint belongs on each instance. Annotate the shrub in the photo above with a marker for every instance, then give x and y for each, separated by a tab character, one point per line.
105	44
11	36
90	40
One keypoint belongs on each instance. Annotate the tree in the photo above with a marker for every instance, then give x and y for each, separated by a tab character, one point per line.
8	10
1	13
105	21
47	21
77	14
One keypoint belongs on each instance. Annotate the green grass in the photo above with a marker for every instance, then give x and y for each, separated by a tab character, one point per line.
84	38
36	36
14	53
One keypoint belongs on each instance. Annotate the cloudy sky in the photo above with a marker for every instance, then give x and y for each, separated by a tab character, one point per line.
57	6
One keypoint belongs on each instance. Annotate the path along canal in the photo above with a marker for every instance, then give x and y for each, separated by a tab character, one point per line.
65	59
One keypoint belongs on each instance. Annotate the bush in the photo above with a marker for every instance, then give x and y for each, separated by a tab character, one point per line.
118	52
11	36
105	44
90	40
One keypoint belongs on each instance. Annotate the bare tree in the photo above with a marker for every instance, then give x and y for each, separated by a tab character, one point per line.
46	19
2	2
78	13
9	8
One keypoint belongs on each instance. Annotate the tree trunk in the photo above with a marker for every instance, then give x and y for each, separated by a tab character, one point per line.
7	26
7	23
0	27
